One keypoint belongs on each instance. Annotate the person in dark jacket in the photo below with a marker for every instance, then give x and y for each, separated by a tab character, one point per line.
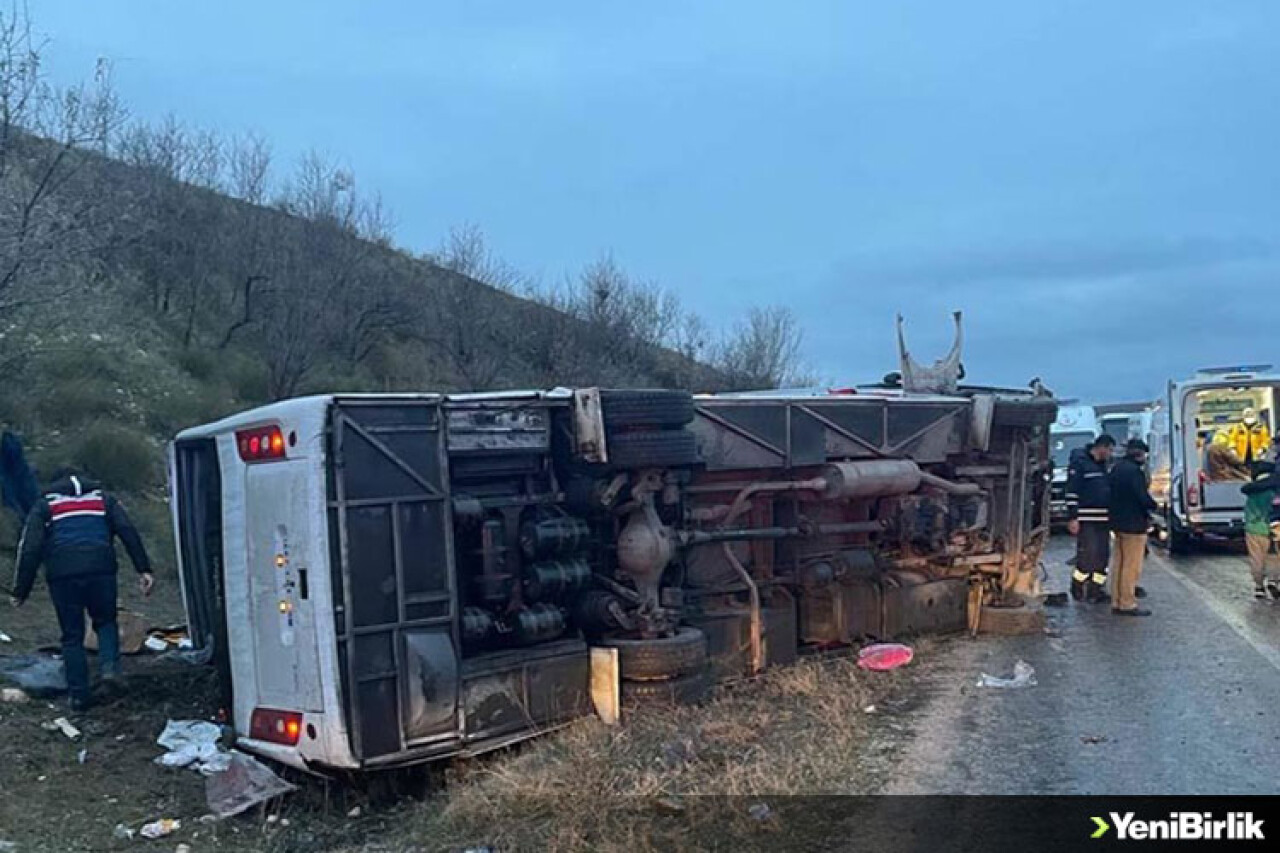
1089	508
1131	508
72	531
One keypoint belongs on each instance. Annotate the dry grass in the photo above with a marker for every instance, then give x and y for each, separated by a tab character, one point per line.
686	778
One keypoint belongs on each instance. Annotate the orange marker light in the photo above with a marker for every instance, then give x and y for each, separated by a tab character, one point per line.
277	443
292	728
280	561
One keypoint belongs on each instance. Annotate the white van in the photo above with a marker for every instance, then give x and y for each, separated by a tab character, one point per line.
1195	482
1075	429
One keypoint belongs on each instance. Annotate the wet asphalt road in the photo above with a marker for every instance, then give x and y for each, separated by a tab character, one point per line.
1186	701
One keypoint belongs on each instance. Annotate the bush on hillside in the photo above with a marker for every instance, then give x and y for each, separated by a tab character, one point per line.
248	380
120	458
199	363
73	402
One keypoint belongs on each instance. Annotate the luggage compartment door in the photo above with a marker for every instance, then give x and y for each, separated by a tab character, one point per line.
394	587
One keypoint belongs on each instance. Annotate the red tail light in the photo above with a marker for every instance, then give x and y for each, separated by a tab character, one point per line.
264	444
282	727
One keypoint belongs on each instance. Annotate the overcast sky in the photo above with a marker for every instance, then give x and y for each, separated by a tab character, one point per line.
1096	184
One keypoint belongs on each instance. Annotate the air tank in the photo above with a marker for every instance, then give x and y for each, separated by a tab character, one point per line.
555	580
553	537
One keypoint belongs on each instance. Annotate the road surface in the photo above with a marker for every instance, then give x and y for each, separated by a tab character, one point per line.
1186	701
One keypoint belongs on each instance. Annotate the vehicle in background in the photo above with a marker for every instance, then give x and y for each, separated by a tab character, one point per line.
1117	419
388	579
1194	433
1073	431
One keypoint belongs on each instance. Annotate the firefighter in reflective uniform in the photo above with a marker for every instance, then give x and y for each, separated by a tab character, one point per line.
1088	506
72	531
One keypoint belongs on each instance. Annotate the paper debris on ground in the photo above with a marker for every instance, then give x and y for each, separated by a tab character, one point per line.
122	832
5	638
1024	675
13	694
156	644
62	724
245	783
192	743
161	828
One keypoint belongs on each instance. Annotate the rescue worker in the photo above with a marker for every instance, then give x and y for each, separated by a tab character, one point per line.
1260	494
1249	438
1131	508
1088	508
72	531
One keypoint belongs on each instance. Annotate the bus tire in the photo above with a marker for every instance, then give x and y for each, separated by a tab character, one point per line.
645	408
686	690
672	448
660	658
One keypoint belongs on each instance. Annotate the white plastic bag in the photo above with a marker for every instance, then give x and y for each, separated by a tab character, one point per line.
1024	675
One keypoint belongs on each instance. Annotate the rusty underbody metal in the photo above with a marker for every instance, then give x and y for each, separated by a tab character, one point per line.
870	515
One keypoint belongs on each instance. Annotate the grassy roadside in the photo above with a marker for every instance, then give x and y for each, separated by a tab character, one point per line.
720	776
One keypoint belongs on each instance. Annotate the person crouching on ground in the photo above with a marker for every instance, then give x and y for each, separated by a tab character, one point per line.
1260	493
1131	508
1089	507
72	531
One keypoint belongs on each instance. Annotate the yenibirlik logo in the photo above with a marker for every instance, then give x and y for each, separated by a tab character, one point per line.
1182	826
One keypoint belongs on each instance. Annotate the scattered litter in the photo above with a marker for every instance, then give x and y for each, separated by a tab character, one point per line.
760	812
7	846
354	813
1093	738
1024	675
82	756
272	818
156	644
668	805
122	833
870	709
1055	599
184	643
41	778
62	724
192	742
209	818
39	675
245	783
161	828
884	656
5	638
485	849
13	694
284	821
183	848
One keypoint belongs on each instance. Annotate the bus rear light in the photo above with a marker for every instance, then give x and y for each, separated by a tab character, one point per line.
281	727
265	444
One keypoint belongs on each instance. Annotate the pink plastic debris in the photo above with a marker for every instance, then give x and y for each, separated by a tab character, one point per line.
885	656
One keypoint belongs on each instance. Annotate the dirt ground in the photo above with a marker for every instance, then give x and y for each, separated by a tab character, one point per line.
717	776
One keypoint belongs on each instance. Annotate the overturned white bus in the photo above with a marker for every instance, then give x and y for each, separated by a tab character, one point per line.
388	579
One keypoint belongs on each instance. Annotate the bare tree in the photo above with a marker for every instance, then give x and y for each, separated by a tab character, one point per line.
249	168
47	137
763	351
467	252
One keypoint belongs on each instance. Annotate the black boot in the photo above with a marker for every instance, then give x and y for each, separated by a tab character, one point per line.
1077	590
1096	593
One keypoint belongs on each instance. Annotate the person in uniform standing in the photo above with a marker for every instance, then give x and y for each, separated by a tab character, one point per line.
1089	511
